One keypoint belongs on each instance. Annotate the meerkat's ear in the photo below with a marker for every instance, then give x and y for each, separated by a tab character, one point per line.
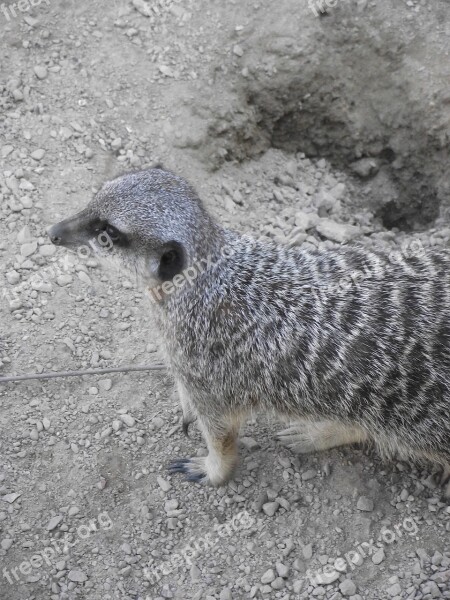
172	260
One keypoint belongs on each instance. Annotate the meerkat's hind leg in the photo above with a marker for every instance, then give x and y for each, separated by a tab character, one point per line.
312	436
217	467
188	411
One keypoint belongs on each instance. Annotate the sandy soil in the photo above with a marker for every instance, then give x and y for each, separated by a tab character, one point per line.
308	129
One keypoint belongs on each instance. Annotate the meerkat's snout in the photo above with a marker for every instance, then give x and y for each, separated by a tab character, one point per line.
71	232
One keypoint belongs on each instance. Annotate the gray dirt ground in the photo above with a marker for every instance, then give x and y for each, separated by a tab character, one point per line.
304	128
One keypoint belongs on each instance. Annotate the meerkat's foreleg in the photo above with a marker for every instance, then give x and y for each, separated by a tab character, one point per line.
217	467
312	436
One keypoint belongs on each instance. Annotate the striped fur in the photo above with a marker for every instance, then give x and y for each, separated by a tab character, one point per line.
351	342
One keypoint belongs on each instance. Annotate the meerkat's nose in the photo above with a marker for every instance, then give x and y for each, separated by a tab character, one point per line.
55	234
71	231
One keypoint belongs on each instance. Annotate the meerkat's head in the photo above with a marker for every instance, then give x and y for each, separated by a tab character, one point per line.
150	223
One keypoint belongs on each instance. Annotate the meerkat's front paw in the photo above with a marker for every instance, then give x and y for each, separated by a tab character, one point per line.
192	468
202	469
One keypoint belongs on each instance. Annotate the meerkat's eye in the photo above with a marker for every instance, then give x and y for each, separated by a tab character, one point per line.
113	233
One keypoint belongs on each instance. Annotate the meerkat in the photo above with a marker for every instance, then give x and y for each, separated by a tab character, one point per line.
251	325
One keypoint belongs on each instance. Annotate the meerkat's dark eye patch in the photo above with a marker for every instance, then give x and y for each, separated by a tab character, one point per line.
171	262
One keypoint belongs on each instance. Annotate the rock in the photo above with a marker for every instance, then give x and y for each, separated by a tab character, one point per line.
105	385
116	144
307	551
365	167
171	505
238	50
142	7
432	589
6	150
12	277
28	249
319	591
268	576
40	71
310	474
24	236
167	71
128	420
337	232
260	500
163	484
378	556
47	250
195	573
304	220
365	504
15	304
26	202
270	508
157	423
84	277
34	435
278	583
77	576
6	543
54	522
347	587
249	443
394	590
10	498
282	570
225	594
63	280
166	592
38	154
26	185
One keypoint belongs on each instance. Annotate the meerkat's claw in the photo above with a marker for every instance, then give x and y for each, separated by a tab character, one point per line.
192	468
186	427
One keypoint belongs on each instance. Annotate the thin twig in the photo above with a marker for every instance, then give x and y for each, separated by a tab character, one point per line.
54	375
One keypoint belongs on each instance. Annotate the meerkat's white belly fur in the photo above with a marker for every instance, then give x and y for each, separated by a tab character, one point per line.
272	328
